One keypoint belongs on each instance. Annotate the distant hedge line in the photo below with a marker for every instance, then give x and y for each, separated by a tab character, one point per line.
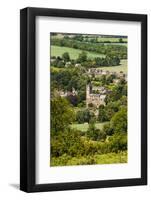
111	50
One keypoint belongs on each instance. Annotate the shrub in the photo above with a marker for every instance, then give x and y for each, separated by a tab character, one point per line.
107	129
119	121
118	142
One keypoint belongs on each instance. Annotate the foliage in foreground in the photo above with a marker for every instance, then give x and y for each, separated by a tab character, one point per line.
72	144
109	158
69	144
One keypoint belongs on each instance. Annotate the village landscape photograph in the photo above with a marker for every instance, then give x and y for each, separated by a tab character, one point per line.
88	99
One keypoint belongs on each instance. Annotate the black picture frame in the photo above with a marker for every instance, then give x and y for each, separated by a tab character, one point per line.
28	99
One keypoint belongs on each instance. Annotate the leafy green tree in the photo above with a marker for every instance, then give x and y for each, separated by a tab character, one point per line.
120	40
84	116
98	61
102	114
80	117
62	115
66	57
78	37
117	92
119	121
110	109
123	101
107	129
67	142
94	133
118	142
81	96
91	129
60	64
100	135
82	57
115	61
110	78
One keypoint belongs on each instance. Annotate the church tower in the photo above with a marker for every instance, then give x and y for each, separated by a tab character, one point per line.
88	92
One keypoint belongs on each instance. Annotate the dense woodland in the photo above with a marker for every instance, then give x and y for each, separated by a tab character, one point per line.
73	146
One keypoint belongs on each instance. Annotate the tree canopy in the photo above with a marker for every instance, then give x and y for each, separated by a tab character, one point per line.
62	114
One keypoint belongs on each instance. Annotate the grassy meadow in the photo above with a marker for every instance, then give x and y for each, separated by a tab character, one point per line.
74	53
111	39
84	127
99	39
121	67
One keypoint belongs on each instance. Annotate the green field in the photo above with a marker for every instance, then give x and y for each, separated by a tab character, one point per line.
84	127
109	158
108	40
121	67
100	38
58	36
74	53
111	39
122	44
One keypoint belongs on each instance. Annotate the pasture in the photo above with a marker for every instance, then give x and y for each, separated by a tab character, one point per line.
112	43
74	53
121	67
111	39
99	38
84	127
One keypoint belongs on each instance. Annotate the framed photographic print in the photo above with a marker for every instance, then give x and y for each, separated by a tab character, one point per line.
83	99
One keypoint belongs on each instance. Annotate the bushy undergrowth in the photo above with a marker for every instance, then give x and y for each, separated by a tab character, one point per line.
71	143
109	158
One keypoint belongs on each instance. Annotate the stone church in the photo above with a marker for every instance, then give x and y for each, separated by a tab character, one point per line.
95	95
